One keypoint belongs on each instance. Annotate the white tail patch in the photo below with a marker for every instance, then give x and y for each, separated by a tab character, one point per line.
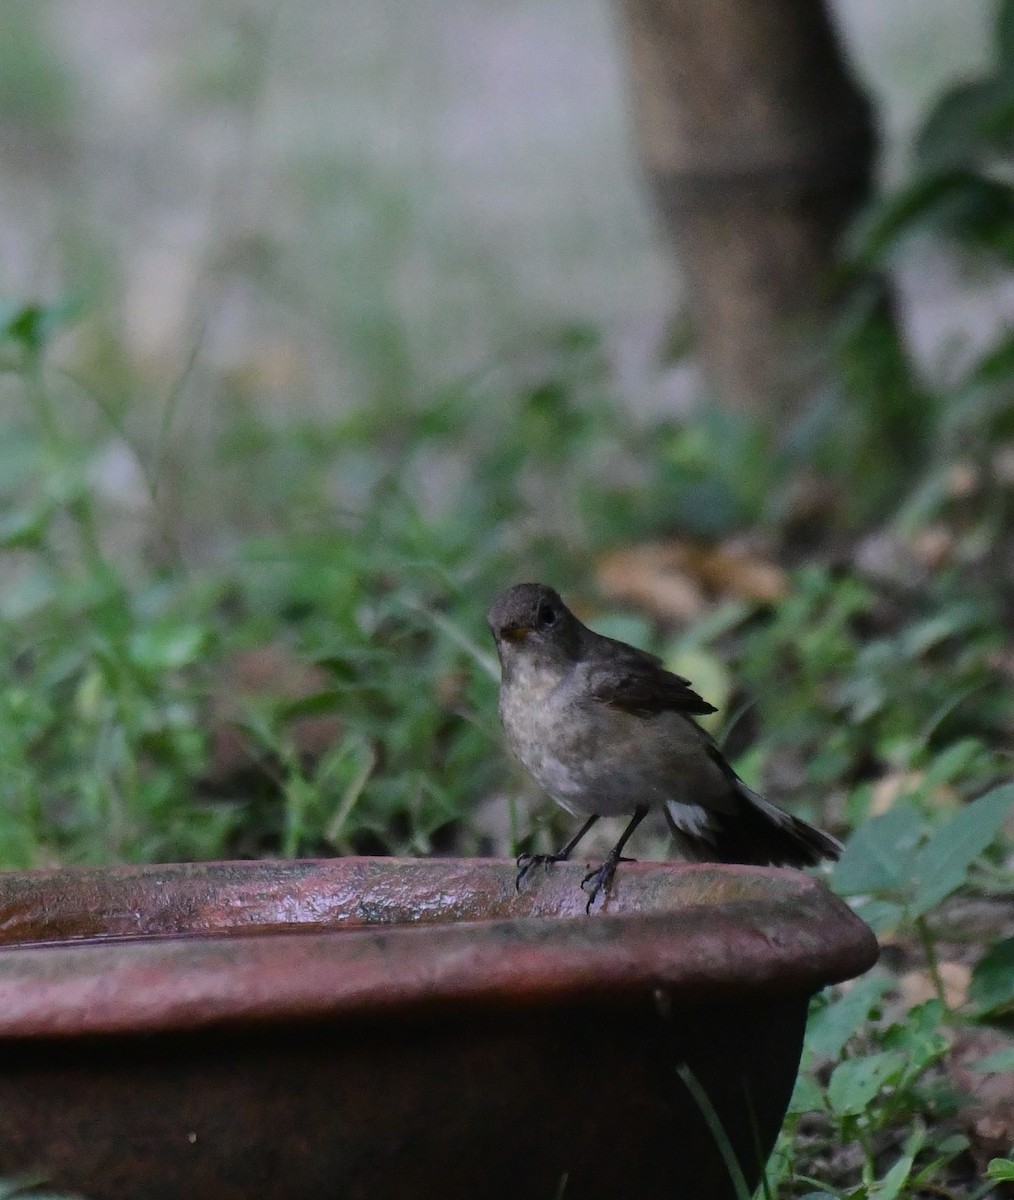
691	819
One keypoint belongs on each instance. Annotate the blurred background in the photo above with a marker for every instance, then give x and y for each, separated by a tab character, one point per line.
351	200
396	191
322	324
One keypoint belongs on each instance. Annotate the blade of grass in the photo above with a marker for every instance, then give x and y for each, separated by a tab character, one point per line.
486	661
703	1102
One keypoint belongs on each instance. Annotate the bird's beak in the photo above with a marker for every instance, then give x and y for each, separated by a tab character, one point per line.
514	633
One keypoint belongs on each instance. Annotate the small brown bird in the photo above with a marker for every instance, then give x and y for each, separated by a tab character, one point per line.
607	730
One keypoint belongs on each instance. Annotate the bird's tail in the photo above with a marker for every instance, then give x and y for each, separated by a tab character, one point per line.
757	833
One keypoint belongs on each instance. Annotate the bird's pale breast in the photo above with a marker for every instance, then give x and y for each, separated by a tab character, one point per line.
588	756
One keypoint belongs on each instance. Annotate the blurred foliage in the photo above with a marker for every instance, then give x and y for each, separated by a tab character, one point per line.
917	691
867	1077
363	551
847	694
34	90
31	1187
115	677
961	192
909	873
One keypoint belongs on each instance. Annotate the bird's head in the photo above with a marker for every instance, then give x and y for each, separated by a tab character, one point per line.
531	619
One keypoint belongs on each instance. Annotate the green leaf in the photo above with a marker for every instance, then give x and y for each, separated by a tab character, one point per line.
919	1038
951	764
807	1096
33	325
1001	1169
167	647
998	1061
831	1027
881	915
890	1186
992	986
926	635
880	854
956	1143
23	529
857	1081
941	866
966	126
898	216
947	202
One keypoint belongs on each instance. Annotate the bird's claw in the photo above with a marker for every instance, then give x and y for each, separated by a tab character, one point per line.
601	877
525	862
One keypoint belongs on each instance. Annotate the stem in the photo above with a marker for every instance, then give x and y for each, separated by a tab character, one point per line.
39	400
932	962
731	1162
80	508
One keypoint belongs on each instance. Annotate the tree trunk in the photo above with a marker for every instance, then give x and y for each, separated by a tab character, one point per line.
759	149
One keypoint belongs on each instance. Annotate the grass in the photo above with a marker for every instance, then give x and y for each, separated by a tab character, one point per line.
194	667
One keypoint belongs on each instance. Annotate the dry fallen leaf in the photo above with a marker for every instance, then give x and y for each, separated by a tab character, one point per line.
916	987
277	367
674	580
895	785
933	546
963	479
733	570
652	580
889	787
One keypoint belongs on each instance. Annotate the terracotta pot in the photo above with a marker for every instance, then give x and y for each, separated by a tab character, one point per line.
374	1029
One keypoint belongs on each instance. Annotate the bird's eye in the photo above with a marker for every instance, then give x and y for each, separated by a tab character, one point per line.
546	615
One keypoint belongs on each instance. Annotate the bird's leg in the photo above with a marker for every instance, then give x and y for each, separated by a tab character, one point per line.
602	876
527	861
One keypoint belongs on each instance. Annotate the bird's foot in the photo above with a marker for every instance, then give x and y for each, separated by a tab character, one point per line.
599	880
525	862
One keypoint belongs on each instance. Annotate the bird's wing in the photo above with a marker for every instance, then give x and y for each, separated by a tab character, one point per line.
638	683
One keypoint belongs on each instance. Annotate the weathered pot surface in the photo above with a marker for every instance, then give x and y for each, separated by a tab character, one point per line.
402	1028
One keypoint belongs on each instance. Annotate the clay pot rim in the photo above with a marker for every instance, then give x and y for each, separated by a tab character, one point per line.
689	933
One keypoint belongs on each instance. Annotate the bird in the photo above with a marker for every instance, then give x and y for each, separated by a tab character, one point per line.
607	730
